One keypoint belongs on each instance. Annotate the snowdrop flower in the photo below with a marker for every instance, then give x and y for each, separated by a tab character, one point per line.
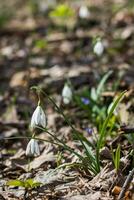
38	118
98	48
33	148
84	12
67	94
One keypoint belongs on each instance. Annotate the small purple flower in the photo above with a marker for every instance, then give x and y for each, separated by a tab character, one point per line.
89	130
85	100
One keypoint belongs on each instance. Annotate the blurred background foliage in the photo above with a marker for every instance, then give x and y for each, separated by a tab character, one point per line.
58	8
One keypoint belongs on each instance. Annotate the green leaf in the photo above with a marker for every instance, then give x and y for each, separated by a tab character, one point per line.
41	44
106	122
62	11
100	87
103	132
93	94
117	157
29	183
16	183
36	184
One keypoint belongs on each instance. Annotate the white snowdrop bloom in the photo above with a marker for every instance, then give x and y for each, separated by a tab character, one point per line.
33	148
84	12
67	94
38	118
98	48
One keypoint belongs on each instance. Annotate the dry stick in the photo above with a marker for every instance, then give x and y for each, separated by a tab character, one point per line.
126	184
127	129
117	177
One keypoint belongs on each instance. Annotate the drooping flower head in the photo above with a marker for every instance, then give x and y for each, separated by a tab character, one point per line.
98	47
67	94
38	118
84	12
33	148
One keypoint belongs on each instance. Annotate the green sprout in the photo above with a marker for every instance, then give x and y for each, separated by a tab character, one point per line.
27	184
116	157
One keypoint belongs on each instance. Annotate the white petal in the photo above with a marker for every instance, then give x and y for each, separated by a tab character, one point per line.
28	151
37	150
38	118
33	143
42	118
36	115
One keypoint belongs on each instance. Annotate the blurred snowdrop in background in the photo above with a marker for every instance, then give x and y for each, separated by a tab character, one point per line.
67	94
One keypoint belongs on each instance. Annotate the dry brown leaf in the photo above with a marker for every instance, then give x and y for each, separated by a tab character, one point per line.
10	114
92	196
123	113
19	79
37	162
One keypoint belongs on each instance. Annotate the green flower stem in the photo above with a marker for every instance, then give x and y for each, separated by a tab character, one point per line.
25	137
62	143
28	162
68	122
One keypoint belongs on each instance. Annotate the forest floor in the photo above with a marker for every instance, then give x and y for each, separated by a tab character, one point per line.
37	50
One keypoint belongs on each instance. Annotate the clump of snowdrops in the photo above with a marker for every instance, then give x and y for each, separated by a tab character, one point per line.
91	158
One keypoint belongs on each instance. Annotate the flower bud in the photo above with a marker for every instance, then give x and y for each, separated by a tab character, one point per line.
66	94
38	118
98	48
33	148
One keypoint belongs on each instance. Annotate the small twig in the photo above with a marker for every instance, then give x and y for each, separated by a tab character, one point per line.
126	184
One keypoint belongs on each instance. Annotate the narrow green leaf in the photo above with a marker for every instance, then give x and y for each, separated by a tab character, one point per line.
93	94
16	183
102	83
117	157
36	184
